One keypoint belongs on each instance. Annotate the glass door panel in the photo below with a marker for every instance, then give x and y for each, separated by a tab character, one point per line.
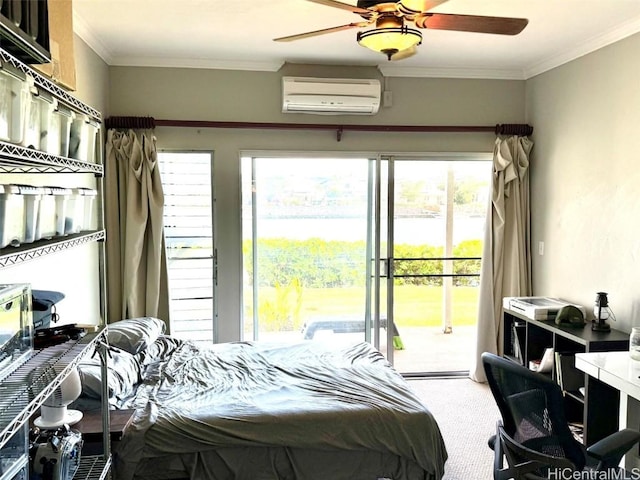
438	228
306	245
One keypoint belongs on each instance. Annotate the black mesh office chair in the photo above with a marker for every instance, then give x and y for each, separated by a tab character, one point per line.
534	437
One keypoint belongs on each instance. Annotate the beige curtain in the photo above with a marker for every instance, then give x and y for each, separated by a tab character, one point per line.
136	261
506	256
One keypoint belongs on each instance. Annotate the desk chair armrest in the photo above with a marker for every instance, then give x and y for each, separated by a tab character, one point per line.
610	450
524	463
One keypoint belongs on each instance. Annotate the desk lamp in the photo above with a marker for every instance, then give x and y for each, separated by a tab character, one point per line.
602	312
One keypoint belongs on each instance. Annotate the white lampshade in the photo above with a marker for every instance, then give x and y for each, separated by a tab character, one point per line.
390	40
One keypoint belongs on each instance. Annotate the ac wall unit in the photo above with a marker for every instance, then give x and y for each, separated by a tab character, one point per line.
330	96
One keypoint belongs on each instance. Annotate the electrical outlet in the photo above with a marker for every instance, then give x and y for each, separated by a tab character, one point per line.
541	248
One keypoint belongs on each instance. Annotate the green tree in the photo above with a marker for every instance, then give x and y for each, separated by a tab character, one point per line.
317	263
281	311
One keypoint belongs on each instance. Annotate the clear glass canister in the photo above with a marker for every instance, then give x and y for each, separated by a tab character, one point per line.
634	343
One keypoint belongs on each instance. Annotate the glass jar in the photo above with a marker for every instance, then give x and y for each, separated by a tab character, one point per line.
634	343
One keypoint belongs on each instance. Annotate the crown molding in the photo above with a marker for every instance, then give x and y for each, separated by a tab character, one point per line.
620	32
203	63
451	72
81	29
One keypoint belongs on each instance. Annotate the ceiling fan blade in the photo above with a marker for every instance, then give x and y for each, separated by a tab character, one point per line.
343	6
402	54
471	23
322	31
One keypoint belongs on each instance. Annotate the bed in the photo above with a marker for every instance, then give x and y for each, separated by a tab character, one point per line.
253	410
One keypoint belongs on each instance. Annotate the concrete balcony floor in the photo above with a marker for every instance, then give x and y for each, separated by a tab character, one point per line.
427	350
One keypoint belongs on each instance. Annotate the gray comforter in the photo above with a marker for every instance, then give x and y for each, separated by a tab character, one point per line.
296	405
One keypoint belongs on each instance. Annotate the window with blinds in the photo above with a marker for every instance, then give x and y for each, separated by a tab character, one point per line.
188	226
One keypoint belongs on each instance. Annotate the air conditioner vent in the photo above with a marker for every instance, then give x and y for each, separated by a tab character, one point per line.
330	96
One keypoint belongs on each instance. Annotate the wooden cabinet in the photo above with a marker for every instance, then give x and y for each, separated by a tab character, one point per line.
596	406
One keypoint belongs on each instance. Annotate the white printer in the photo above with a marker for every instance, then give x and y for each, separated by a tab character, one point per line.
538	308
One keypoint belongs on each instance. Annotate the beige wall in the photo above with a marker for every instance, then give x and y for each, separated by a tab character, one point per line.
194	94
74	271
255	97
586	181
586	184
92	78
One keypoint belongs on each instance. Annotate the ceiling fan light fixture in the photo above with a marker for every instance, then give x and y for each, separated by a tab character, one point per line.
391	40
411	7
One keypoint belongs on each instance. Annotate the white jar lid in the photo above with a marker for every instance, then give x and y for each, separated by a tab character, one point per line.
58	191
30	190
88	192
10	189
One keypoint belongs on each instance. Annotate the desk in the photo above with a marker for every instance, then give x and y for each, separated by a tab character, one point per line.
619	371
613	368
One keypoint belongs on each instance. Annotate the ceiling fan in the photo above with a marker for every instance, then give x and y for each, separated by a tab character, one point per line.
391	37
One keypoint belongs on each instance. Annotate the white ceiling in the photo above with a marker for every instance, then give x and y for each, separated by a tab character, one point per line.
238	34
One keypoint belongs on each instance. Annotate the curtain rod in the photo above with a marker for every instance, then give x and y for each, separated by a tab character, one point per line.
130	122
148	122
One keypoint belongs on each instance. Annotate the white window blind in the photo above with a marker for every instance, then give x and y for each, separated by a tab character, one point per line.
188	223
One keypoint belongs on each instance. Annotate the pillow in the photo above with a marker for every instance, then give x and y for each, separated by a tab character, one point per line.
134	334
159	350
123	375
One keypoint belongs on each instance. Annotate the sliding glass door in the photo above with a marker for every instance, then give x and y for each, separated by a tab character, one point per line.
383	249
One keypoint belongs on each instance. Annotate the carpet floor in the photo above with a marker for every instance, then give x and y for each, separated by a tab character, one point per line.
466	414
